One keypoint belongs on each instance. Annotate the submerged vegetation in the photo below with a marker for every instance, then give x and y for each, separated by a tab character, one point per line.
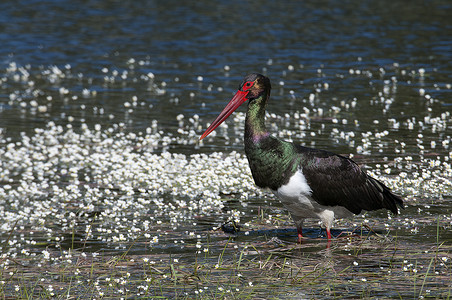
357	266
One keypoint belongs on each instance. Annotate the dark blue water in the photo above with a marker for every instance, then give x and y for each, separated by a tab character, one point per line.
209	34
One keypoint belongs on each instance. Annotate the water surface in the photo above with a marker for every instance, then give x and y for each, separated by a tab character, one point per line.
102	104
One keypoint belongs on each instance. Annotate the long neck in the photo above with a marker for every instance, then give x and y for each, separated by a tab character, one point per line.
255	129
272	161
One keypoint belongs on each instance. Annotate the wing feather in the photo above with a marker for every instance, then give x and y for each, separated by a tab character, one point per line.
338	180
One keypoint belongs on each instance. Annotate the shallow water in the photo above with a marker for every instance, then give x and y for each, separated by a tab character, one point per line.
101	109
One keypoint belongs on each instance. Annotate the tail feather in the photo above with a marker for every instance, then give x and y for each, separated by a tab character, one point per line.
389	200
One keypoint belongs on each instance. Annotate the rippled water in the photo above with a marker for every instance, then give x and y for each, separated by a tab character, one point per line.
102	104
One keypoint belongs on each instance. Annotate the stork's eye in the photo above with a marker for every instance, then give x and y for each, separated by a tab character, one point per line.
247	85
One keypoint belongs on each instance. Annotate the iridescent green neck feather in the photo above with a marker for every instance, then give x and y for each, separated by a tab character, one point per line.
255	119
272	161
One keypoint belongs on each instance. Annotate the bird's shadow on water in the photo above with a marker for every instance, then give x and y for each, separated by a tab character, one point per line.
290	235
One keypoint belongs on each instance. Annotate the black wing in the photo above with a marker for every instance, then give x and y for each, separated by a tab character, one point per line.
337	180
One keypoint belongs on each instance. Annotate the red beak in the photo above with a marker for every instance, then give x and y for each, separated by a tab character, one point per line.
235	102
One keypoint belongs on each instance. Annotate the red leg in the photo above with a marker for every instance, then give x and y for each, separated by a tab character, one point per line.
300	234
328	234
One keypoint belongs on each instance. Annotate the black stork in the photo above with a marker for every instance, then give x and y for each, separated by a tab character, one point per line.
311	183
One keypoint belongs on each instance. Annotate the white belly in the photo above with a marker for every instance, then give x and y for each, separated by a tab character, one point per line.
296	198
